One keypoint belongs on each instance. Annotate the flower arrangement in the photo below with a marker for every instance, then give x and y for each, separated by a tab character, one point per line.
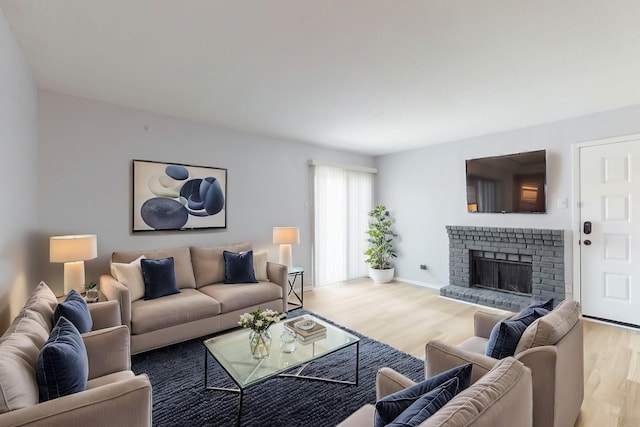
260	320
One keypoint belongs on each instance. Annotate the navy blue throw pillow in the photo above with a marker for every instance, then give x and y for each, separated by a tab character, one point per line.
505	335
159	278
62	367
547	305
390	407
238	268
75	309
427	405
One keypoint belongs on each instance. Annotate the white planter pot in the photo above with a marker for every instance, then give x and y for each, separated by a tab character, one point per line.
381	276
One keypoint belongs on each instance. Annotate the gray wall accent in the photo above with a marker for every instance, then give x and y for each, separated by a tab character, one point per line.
545	247
425	189
86	148
19	175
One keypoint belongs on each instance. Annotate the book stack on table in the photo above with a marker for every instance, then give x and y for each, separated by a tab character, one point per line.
307	330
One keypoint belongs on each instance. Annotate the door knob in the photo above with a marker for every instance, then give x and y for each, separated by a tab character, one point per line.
587	242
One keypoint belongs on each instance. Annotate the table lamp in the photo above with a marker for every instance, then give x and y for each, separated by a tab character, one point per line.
285	237
73	251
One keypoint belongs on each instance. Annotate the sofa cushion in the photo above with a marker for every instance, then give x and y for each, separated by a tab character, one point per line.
43	302
260	266
549	329
390	407
176	309
238	267
40	304
62	367
506	334
181	257
427	405
130	275
74	309
208	262
19	349
501	396
239	296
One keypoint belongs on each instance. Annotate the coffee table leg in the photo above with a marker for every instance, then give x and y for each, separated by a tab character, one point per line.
240	408
298	373
238	390
357	362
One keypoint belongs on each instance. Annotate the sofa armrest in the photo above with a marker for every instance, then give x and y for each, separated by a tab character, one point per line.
440	357
389	381
105	314
116	291
122	403
108	350
278	274
484	322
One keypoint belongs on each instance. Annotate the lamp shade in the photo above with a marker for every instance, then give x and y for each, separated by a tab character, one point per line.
286	235
73	248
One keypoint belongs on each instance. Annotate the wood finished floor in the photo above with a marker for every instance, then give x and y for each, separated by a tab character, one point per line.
407	316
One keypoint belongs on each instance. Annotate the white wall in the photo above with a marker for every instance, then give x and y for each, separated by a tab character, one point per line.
425	189
86	148
19	176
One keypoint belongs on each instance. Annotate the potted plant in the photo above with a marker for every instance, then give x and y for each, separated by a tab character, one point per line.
381	251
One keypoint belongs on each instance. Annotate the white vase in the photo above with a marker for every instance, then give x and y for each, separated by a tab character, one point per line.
381	276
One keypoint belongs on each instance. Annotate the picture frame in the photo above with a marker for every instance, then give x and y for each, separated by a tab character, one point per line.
177	196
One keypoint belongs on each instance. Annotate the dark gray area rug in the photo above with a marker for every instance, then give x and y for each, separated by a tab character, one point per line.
180	399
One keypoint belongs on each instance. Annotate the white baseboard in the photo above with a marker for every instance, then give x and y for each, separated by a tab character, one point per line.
417	283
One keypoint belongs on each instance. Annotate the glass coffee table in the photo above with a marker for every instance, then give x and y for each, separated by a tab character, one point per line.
231	351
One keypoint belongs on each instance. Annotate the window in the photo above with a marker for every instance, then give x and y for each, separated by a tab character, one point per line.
342	199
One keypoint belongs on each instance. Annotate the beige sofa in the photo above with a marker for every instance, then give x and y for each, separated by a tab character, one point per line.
205	304
552	347
114	395
501	398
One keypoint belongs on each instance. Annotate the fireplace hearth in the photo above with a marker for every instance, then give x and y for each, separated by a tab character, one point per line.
506	268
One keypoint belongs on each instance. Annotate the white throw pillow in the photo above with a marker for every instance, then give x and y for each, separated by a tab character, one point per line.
130	275
260	266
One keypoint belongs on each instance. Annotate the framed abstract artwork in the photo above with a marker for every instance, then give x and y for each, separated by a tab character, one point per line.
174	196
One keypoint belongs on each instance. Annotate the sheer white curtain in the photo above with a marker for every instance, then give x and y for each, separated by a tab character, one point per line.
486	196
342	200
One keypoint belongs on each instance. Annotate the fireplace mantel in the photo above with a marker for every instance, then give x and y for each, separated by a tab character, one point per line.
544	246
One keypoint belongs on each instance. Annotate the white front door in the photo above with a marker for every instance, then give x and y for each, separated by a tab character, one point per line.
609	222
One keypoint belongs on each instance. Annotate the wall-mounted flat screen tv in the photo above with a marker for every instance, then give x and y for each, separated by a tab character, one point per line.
513	183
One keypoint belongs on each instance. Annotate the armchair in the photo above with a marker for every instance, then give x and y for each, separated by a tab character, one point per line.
115	396
552	347
502	398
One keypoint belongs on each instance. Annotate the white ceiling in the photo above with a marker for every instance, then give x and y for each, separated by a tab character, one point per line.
370	76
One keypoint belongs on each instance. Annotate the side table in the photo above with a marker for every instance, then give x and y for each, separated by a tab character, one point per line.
294	273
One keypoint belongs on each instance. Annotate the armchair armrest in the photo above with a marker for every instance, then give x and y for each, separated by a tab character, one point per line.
543	364
440	357
277	273
122	403
484	322
389	381
105	314
114	290
108	350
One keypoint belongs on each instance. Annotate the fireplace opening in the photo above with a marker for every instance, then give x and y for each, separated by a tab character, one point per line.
510	273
